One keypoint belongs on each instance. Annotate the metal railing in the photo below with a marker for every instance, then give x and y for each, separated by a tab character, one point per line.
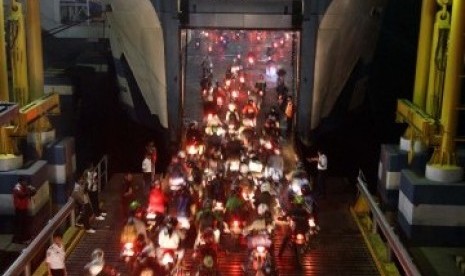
102	171
23	263
74	11
380	223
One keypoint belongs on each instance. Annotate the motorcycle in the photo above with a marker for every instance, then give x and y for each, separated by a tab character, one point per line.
260	262
167	262
301	240
205	256
153	221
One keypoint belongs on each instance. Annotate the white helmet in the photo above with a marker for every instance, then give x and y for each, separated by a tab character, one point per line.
262	209
265	187
182	154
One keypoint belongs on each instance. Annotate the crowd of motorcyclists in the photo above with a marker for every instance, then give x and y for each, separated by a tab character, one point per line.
226	188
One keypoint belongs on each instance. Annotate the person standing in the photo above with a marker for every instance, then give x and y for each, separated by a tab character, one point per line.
93	191
147	172
289	112
82	198
56	257
128	193
22	194
153	158
322	166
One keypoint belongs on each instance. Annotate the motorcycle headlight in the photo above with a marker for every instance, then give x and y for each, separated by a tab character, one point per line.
311	222
191	150
167	259
128	249
260	249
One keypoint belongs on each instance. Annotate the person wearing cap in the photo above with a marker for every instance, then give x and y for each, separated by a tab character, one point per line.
56	257
22	194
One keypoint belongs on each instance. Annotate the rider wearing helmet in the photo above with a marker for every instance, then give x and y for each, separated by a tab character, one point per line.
264	221
232	116
157	199
206	219
300	216
235	204
250	110
169	239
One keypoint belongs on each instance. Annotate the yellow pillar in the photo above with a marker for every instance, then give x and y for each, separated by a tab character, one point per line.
449	114
428	10
34	50
436	71
3	71
18	54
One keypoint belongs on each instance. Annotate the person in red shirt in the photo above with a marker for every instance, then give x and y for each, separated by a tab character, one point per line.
157	199
22	194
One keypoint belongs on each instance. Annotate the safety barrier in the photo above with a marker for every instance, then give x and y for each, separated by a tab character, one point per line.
65	216
389	253
23	263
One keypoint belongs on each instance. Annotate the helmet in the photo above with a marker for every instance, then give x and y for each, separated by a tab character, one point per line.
134	205
265	187
306	189
182	154
232	107
298	200
207	204
170	222
97	254
262	209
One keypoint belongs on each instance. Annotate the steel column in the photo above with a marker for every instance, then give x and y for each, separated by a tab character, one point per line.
428	11
3	71
34	50
18	55
449	114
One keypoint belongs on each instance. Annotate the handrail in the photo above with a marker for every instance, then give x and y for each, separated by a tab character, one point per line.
394	243
102	171
23	262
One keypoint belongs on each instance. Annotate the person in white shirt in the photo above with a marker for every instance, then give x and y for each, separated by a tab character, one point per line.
322	166
56	257
93	191
147	172
169	238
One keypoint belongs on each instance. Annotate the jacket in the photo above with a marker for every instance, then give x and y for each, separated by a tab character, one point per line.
21	197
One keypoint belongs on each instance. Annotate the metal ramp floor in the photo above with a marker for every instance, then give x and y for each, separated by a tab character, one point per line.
338	249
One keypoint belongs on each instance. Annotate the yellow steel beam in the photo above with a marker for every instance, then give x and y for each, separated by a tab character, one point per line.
34	50
420	122
40	107
451	99
3	71
428	10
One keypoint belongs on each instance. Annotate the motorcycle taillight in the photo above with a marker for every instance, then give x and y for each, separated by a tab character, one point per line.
300	239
